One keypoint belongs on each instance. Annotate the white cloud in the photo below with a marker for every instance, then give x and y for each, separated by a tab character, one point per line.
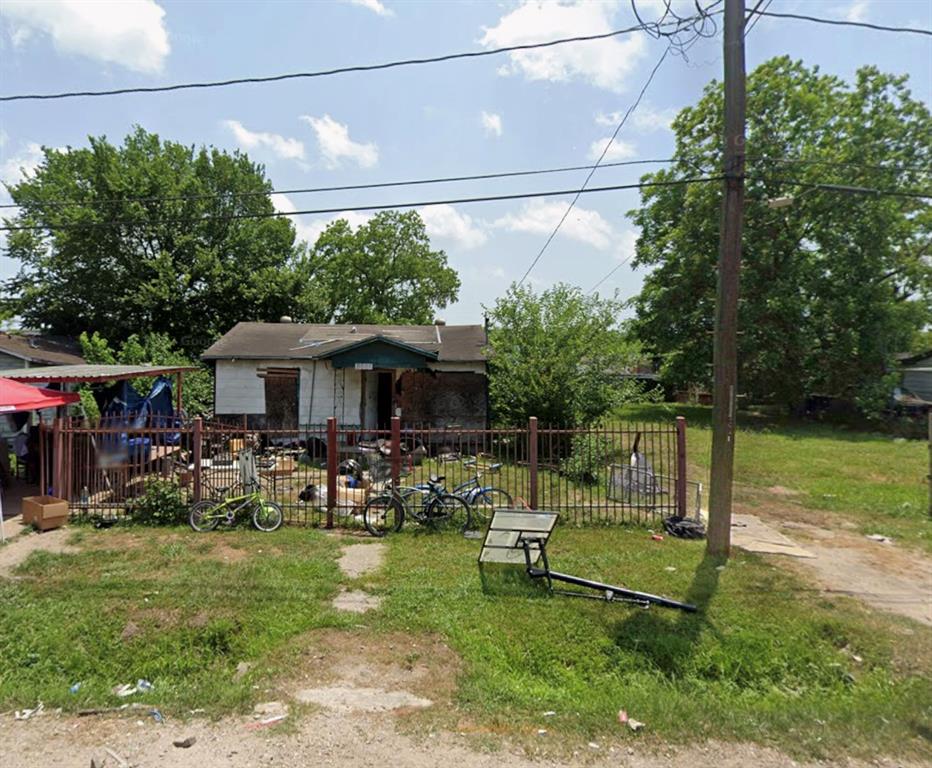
335	143
492	123
289	149
444	221
540	217
644	118
857	11
604	63
619	150
373	5
130	33
309	228
16	168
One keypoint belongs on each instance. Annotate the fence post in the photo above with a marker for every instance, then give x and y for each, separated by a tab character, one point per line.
333	455
681	466
532	460
396	451
196	453
59	455
930	462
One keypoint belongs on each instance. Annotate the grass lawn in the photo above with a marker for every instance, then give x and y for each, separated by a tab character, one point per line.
761	660
877	481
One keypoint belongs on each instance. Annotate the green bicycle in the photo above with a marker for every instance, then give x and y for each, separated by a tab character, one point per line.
208	514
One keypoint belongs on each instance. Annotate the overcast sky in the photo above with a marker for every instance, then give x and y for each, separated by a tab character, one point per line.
544	108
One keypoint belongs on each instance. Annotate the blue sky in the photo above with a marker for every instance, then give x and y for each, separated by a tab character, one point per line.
541	109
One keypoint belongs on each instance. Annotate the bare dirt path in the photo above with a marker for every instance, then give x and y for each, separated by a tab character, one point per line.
331	738
832	554
20	546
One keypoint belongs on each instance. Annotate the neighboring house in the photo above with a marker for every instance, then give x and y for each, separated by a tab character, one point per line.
286	375
917	375
26	349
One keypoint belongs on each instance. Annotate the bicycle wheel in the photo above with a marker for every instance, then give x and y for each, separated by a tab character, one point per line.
267	516
383	514
448	512
486	502
204	516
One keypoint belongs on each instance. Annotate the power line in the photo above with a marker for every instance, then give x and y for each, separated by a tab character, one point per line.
618	266
447	180
343	188
921	194
351	209
747	29
845	23
676	27
605	149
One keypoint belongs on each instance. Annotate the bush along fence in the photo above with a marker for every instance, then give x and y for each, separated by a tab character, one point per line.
322	474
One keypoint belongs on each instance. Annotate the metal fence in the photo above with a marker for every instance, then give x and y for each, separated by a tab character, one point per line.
322	474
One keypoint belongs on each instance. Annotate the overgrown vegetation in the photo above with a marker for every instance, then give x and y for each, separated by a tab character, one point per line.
875	479
161	503
559	355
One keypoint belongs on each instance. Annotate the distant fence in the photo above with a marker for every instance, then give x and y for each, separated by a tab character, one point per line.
624	473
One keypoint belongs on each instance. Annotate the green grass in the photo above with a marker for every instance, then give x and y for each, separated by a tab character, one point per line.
760	661
876	480
196	616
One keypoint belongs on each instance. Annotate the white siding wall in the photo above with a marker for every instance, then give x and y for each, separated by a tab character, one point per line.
335	393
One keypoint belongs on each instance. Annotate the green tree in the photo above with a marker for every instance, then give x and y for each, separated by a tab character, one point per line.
154	238
384	272
833	286
557	355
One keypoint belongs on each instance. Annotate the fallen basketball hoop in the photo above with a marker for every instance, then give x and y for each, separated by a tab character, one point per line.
520	537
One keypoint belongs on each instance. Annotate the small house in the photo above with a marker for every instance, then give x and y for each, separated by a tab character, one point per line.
286	375
27	349
917	375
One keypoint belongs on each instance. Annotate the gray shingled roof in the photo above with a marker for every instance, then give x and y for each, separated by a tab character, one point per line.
90	372
302	341
42	350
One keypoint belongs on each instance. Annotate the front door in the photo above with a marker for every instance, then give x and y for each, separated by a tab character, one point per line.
385	399
281	399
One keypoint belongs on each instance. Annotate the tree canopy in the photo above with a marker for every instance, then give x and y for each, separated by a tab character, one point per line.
157	238
832	286
383	272
558	355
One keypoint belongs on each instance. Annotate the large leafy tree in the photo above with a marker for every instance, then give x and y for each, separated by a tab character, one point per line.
833	286
559	355
383	272
152	237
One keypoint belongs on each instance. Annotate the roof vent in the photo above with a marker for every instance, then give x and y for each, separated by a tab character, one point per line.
439	321
285	319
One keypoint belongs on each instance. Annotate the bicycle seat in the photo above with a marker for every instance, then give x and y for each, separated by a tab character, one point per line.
437	478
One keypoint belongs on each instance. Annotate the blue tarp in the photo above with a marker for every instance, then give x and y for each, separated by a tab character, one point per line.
124	406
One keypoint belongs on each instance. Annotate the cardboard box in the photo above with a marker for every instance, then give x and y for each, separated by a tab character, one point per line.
45	512
284	465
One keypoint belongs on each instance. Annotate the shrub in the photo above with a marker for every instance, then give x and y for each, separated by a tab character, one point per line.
590	455
160	504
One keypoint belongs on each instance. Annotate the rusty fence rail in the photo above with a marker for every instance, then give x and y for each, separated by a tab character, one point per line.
322	474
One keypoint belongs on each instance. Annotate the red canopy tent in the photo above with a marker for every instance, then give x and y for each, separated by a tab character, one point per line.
15	397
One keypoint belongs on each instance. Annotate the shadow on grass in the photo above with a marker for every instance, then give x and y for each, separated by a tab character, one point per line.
506	580
666	639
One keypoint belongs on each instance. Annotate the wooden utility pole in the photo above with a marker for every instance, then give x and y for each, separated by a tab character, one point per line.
725	359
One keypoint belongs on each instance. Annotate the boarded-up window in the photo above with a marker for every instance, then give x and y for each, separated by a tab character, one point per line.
281	397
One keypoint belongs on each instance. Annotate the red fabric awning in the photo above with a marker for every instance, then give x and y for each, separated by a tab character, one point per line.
15	396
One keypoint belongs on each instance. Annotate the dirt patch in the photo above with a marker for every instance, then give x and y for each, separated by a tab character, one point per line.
347	699
356	601
130	631
779	490
422	665
18	548
226	554
340	740
361	559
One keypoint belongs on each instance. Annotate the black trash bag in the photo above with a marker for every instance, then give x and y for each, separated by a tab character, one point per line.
684	527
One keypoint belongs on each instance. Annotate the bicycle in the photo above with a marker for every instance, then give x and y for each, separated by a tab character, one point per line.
267	516
483	500
429	504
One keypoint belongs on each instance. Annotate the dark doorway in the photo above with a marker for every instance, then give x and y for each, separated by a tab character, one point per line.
384	407
281	399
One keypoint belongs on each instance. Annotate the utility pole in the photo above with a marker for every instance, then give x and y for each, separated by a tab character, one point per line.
725	357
